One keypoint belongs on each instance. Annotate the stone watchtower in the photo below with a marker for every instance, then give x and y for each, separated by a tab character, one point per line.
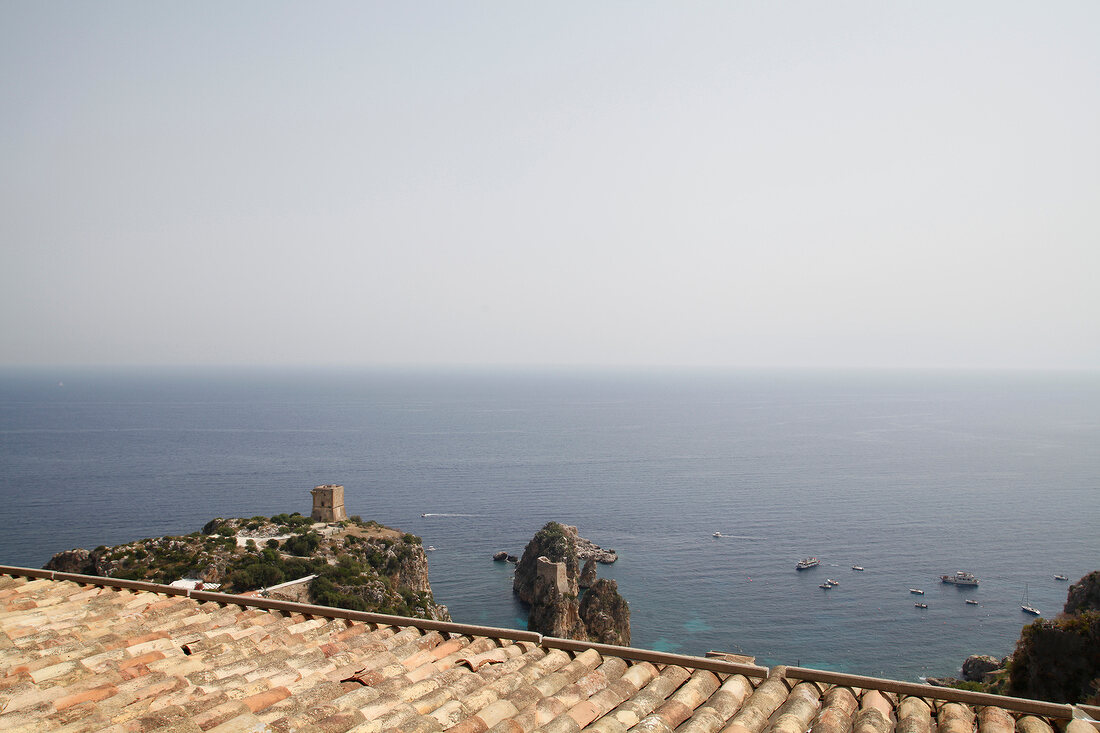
328	503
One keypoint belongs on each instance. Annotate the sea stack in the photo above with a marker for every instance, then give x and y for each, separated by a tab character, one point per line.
547	579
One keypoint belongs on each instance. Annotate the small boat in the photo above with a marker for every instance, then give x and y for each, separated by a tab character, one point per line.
1060	577
921	605
830	581
431	548
1026	607
971	602
806	563
826	585
961	577
717	534
916	591
858	567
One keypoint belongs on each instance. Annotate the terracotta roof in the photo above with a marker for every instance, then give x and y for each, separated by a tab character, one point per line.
81	653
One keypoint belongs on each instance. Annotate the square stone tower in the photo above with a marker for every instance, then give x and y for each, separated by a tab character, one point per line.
328	503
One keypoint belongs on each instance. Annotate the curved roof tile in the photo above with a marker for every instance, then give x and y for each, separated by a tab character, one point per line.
80	653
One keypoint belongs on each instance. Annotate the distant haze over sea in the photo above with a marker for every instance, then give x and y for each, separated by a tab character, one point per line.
910	474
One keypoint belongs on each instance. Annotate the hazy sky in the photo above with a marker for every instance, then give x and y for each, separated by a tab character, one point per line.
568	183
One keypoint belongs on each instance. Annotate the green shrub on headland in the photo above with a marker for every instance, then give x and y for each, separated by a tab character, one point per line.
1058	660
557	545
362	566
302	545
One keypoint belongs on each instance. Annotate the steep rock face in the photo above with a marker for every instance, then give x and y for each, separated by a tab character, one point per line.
555	610
605	613
548	581
1058	660
78	561
1084	595
588	574
412	570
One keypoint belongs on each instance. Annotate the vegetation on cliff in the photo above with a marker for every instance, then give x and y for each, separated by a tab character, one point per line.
1059	659
1084	595
359	565
1055	659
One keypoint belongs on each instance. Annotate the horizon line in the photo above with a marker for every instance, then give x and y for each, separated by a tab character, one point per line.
533	367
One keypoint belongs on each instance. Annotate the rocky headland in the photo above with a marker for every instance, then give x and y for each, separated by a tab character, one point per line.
1055	659
549	580
358	565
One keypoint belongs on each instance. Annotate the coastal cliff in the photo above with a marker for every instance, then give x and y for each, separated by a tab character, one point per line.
1059	659
547	579
606	614
555	609
359	565
1055	659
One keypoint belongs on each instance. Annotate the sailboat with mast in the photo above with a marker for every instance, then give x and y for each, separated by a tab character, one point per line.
1026	606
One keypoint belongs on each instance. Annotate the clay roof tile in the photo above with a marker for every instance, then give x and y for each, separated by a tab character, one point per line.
92	656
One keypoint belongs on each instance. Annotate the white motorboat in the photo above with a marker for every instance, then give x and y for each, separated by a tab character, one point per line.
961	577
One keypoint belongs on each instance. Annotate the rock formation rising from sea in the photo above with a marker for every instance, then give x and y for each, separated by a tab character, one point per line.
548	580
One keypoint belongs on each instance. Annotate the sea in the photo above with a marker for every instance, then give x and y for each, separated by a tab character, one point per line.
907	474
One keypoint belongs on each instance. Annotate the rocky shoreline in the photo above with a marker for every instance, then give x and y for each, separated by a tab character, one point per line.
978	668
586	549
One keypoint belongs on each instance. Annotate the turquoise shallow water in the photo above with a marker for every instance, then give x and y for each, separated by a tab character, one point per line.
909	474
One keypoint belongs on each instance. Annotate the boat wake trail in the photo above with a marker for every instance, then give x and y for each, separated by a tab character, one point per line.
441	514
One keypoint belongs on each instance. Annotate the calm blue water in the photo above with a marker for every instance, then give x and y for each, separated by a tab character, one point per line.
910	474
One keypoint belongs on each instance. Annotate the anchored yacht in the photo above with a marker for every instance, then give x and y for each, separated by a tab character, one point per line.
1026	606
961	577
